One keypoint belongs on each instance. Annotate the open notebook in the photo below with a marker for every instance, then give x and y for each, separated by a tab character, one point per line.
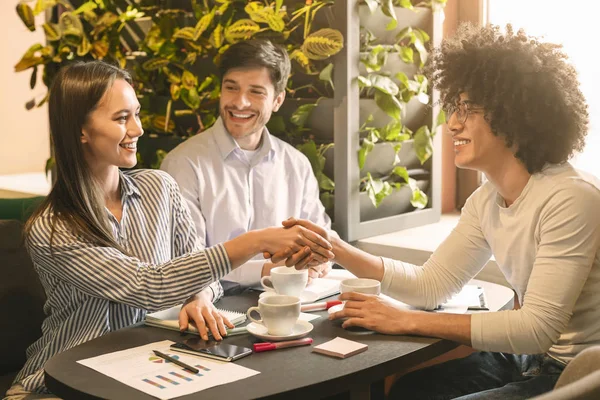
169	319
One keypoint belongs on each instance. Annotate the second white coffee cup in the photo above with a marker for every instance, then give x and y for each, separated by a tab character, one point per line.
286	280
361	285
278	313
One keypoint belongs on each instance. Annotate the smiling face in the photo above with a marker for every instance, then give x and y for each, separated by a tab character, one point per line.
248	99
110	133
475	145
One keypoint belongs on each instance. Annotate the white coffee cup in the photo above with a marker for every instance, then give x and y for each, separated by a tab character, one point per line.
361	285
278	313
286	280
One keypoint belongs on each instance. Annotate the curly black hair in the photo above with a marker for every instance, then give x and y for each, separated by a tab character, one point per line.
528	90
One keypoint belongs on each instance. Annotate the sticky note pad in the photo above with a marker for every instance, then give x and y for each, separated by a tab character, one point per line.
340	347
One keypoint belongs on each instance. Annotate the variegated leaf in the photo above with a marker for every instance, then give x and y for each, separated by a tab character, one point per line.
154	64
186	33
52	31
216	38
241	30
26	14
323	44
203	24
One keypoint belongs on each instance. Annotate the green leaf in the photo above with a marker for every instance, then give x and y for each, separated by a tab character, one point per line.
389	104
328	200
325	75
387	7
190	98
384	84
363	82
300	116
206	82
440	120
401	172
278	4
50	163
189	80
423	143
377	190
401	76
418	199
406	4
33	78
325	183
372	4
422	52
86	7
276	125
406	54
317	161
365	148
26	14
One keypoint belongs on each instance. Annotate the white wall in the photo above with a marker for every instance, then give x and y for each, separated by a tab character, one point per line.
24	135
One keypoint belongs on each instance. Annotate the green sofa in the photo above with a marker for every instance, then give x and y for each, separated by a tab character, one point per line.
21	294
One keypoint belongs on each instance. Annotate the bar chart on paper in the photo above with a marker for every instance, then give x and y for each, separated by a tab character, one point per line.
141	369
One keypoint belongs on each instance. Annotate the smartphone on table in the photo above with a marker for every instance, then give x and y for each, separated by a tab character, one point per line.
211	349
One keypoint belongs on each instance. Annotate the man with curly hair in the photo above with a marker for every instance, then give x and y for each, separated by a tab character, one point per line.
517	115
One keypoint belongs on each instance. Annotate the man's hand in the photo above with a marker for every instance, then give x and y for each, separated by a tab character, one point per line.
200	309
318	271
372	312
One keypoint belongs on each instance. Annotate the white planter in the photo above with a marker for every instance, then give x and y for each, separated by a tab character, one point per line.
380	161
414	115
421	18
393	65
396	203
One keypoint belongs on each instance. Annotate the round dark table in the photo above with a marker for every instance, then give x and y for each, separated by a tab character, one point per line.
286	373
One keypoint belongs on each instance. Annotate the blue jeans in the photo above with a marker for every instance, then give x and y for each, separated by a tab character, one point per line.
481	375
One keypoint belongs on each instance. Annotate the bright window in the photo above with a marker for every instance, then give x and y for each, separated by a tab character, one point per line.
575	26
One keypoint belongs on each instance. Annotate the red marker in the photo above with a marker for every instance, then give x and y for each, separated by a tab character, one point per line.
266	346
326	305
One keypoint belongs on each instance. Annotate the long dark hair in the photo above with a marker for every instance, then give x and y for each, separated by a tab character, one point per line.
76	198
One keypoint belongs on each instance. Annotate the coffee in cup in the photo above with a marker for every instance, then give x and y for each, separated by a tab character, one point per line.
286	280
278	313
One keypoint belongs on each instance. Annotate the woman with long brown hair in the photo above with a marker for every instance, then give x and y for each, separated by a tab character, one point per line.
109	245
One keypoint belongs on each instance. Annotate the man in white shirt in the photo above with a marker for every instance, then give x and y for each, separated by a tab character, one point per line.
235	176
516	114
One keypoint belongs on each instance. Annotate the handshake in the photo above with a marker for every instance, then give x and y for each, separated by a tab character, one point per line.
299	243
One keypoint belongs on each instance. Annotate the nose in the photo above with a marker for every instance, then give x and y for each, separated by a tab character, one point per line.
135	127
240	100
454	126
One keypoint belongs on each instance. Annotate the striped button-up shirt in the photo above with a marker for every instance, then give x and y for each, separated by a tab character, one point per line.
93	290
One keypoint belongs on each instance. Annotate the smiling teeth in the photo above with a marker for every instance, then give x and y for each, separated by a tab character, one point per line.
129	145
461	142
241	115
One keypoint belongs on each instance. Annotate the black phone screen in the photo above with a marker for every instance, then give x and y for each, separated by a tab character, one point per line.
211	349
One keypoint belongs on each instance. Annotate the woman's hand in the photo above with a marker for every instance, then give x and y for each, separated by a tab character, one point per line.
200	309
318	271
305	247
372	312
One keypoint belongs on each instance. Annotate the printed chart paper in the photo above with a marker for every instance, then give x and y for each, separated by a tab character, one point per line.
141	369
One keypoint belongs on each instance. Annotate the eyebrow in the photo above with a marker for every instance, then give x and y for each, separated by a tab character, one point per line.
252	86
126	110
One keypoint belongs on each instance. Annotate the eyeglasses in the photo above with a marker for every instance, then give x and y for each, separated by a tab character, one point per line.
462	109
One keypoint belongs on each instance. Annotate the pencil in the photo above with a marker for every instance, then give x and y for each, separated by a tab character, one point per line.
176	361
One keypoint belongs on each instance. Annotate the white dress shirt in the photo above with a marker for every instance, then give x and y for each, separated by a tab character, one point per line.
229	193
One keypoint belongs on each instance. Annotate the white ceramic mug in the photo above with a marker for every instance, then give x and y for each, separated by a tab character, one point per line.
278	313
361	285
286	280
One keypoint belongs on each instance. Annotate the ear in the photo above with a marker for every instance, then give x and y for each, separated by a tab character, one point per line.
85	137
278	101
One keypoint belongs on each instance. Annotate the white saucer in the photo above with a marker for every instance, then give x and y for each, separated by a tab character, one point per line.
302	328
336	308
305	297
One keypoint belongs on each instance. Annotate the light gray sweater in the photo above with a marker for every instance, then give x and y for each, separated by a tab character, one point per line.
546	245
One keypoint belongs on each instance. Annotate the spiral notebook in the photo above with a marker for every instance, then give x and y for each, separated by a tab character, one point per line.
169	319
